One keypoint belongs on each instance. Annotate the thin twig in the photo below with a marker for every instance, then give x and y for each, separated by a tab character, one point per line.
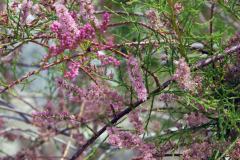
139	23
29	74
153	75
120	12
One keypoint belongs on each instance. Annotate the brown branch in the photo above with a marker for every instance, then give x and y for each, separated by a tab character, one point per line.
120	13
153	75
199	65
139	23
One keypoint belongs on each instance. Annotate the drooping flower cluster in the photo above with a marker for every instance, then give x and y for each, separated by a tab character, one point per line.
68	32
196	119
184	79
183	75
135	75
198	151
125	139
65	28
105	21
134	118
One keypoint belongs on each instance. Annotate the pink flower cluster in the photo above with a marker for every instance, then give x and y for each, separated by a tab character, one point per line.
68	32
153	19
66	27
69	87
125	139
87	11
105	21
73	70
198	151
134	118
49	117
196	118
96	100
107	60
135	75
167	97
178	7
183	75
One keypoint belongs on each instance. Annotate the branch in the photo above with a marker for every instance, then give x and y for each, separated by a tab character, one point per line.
139	23
199	65
29	74
120	12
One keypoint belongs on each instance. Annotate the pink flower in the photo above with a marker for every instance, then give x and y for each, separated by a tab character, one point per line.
198	151
183	75
178	7
66	20
86	32
106	19
68	32
87	11
196	118
55	27
73	70
153	19
107	60
125	139
135	75
98	100
167	97
134	118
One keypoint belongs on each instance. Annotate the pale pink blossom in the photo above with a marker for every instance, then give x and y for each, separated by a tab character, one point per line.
73	70
183	75
134	118
198	151
135	75
127	140
196	119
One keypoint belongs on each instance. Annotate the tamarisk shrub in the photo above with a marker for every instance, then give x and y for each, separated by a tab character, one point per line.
111	79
